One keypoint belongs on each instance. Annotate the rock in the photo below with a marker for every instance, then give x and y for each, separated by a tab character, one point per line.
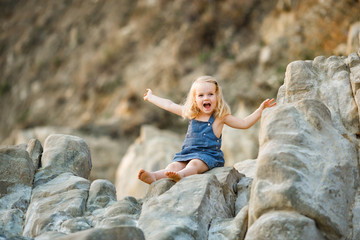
308	154
55	202
11	222
128	205
101	194
322	79
228	178
152	151
189	206
50	235
123	212
307	167
62	154
35	149
353	40
16	178
65	153
16	168
159	187
120	233
356	217
243	190
247	167
230	229
74	225
284	225
106	152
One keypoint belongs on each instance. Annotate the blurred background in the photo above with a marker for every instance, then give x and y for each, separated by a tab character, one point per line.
81	67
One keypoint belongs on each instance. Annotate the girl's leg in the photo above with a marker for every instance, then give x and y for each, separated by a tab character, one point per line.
195	166
149	177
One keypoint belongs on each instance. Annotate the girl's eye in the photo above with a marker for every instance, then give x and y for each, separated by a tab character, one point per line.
201	95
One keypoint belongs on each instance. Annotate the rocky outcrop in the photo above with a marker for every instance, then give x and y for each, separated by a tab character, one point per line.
61	203
16	178
308	166
106	152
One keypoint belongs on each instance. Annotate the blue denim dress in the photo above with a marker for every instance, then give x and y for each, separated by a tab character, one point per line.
201	143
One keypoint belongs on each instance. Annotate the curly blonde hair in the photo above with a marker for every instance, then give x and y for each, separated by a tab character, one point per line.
191	110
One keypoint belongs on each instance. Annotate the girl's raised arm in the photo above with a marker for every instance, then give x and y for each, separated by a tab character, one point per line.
250	120
163	103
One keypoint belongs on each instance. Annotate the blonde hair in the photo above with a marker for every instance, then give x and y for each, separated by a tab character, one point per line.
191	110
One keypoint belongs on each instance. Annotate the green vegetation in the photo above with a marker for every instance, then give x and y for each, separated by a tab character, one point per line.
5	87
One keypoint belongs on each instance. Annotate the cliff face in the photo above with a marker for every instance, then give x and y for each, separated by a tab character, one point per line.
85	64
303	185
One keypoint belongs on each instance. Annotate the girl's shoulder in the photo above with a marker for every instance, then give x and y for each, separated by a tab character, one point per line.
221	119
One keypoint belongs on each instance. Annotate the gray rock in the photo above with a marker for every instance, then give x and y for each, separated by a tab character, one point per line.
101	194
11	222
243	189
65	153
308	153
16	177
54	202
74	225
35	149
158	187
228	178
185	210
123	212
284	225
128	205
230	229
116	233
50	235
16	168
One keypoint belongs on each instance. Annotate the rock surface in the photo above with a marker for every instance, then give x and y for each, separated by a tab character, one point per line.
308	158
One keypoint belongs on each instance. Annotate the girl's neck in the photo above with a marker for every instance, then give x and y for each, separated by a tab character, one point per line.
204	117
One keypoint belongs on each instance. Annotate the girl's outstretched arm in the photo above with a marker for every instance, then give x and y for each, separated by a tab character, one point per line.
250	120
163	103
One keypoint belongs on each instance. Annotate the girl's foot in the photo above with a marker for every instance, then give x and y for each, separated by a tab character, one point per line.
173	175
146	177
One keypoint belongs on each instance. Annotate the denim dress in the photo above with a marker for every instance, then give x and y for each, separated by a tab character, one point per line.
201	143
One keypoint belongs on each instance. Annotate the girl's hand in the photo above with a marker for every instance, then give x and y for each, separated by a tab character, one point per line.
147	94
268	103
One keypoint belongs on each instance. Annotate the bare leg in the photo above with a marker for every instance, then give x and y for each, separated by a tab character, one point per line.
150	177
195	166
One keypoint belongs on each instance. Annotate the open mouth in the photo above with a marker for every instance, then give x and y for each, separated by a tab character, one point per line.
207	105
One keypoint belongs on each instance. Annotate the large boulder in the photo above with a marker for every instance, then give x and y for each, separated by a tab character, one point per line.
308	153
190	205
54	202
60	189
16	178
106	152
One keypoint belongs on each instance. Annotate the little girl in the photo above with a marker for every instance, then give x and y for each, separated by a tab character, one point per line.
208	112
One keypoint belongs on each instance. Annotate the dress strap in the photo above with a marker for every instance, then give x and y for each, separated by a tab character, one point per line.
212	119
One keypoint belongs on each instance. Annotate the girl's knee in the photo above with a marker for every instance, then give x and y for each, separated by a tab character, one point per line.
199	164
176	166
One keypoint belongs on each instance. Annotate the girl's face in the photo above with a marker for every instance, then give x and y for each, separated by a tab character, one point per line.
205	97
